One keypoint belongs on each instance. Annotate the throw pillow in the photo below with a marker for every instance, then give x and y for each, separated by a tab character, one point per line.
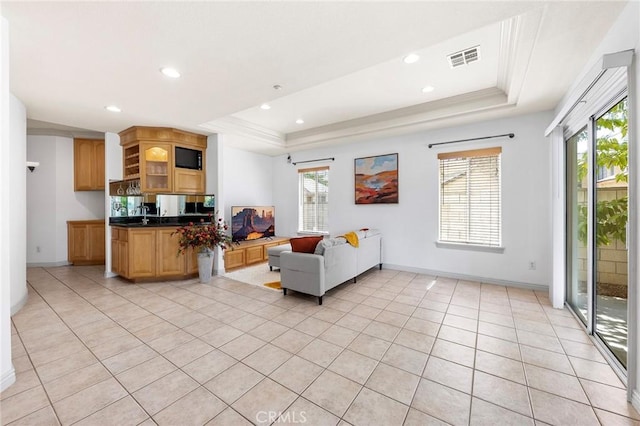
304	244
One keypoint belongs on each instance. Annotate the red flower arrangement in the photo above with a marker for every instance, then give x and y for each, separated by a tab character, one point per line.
203	235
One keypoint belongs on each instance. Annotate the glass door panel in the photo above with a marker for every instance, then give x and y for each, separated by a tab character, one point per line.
577	190
610	229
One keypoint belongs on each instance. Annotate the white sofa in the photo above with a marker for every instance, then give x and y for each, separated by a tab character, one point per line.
334	262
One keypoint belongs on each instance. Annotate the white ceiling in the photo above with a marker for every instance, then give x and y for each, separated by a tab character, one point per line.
339	64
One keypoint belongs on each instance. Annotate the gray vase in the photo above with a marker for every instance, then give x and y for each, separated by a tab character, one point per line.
205	265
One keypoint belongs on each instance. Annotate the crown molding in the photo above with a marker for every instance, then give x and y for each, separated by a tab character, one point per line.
508	49
401	118
65	133
518	37
248	129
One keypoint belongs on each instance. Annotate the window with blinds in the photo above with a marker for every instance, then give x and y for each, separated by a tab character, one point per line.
470	197
313	206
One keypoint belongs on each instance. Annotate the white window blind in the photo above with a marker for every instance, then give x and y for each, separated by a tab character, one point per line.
470	197
313	206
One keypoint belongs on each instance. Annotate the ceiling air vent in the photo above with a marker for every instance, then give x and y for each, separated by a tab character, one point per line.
464	57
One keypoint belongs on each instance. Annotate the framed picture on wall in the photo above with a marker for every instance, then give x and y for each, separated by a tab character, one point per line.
376	179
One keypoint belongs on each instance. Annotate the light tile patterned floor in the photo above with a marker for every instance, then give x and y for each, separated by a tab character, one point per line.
395	348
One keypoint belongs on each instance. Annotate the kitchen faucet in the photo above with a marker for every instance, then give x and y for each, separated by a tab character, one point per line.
144	209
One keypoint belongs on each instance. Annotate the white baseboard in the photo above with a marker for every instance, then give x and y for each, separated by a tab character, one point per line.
20	304
48	264
635	400
8	378
506	283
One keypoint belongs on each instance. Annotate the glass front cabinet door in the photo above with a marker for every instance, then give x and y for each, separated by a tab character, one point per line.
156	167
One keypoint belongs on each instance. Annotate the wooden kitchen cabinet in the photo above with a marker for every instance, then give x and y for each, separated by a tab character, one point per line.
150	254
187	181
192	262
148	158
168	262
142	253
85	242
156	170
88	164
119	252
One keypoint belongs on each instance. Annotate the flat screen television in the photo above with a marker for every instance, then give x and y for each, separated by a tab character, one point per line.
252	222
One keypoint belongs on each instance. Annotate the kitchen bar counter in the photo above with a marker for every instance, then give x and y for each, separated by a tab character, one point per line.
150	253
159	221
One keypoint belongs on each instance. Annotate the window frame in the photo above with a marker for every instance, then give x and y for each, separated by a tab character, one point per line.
301	202
496	247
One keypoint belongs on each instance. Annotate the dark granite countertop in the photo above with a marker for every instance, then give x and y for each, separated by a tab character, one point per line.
159	221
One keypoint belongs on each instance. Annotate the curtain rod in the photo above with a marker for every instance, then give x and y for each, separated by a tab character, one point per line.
313	161
511	135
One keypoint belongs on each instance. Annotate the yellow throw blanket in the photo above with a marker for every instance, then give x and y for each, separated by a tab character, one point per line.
352	238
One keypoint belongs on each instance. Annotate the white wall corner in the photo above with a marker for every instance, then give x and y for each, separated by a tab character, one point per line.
113	171
8	378
557	288
635	400
7	372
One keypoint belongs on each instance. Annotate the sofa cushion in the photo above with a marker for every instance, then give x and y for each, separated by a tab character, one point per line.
304	244
329	242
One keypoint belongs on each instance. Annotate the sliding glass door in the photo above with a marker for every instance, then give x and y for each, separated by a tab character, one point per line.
597	212
610	229
577	190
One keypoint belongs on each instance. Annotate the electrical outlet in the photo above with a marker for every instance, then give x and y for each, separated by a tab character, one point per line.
37	249
532	265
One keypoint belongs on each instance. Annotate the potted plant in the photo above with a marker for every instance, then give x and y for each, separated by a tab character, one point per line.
203	238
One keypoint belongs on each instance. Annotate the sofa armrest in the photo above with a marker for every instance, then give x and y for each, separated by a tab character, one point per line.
302	262
302	272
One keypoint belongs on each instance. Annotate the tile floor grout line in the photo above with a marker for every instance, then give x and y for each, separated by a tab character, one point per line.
404	289
572	368
426	364
113	375
55	413
178	368
92	353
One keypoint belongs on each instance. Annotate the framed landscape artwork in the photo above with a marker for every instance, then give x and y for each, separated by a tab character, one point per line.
376	179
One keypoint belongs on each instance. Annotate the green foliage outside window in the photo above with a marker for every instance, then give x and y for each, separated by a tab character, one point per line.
612	152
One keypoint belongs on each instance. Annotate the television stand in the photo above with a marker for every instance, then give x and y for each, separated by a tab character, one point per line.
245	253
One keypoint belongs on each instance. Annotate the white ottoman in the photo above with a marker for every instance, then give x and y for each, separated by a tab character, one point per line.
274	255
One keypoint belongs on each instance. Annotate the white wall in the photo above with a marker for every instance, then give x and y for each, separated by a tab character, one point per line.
623	35
7	372
247	180
51	200
18	209
410	227
211	184
112	171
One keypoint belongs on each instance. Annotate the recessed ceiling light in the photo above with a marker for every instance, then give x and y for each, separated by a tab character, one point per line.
411	58
427	89
170	72
112	108
265	106
299	121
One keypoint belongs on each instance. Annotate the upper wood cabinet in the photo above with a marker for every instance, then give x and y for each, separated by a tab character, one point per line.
88	165
149	156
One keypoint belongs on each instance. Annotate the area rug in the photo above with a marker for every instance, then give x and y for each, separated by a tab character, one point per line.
274	285
256	275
